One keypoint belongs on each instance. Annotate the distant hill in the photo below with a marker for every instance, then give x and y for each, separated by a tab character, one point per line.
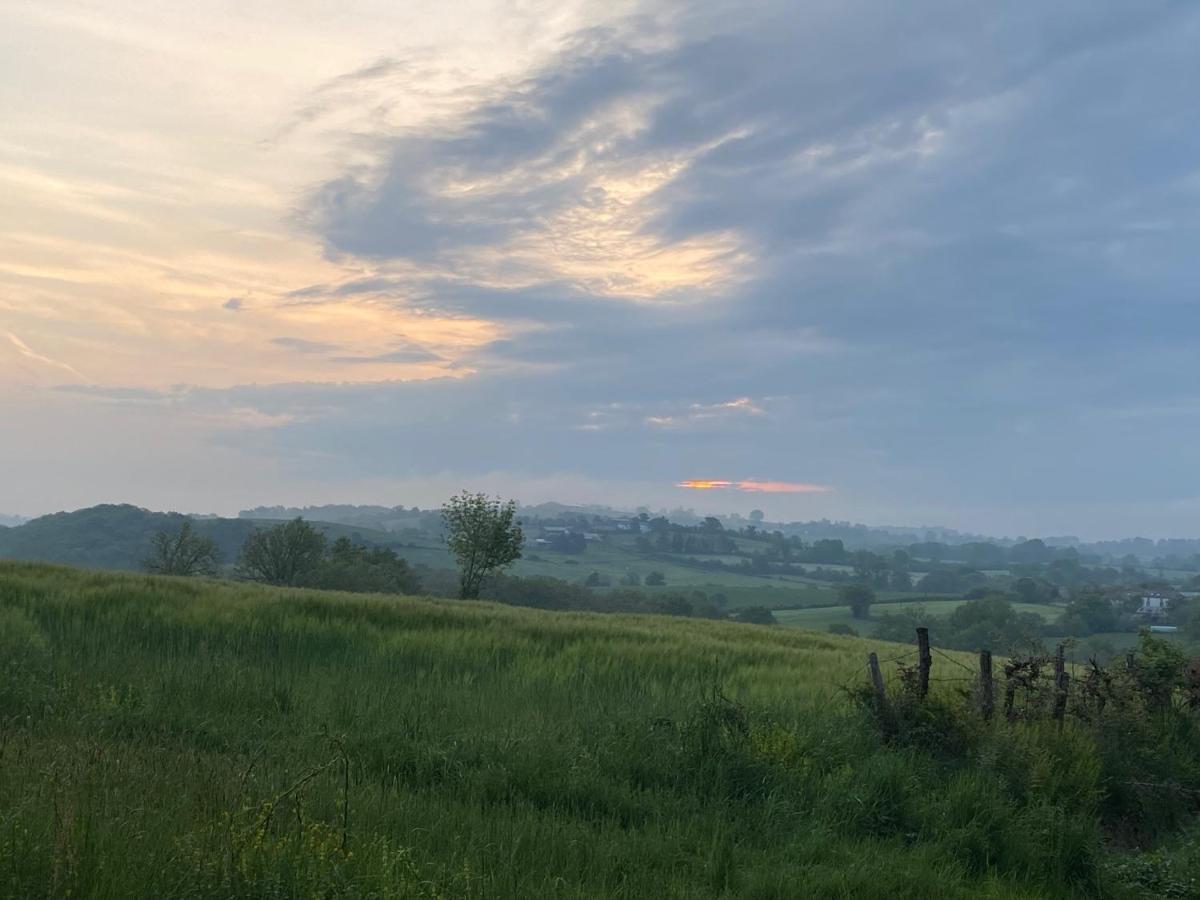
114	536
11	521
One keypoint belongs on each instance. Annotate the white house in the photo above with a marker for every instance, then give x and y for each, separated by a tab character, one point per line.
1154	605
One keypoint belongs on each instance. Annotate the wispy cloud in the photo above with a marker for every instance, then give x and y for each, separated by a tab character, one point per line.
301	345
29	353
754	487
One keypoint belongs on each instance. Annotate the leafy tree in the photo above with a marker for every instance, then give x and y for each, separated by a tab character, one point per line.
858	597
1029	590
352	567
569	542
631	579
755	615
1088	612
283	554
952	581
183	553
597	580
990	624
655	579
484	537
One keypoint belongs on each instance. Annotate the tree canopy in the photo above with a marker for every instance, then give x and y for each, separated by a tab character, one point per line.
484	536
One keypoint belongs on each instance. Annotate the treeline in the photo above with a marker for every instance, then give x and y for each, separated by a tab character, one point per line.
295	554
934	567
991	620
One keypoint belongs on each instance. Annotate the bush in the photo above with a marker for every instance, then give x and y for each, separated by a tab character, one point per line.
756	615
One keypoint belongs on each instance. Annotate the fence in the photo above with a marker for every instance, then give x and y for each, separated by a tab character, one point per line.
1021	675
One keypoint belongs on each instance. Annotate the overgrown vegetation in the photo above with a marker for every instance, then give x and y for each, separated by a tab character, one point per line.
171	737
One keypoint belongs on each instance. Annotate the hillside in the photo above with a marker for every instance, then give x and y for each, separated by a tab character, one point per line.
204	739
118	536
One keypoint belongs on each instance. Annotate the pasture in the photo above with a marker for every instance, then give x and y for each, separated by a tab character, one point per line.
176	738
820	618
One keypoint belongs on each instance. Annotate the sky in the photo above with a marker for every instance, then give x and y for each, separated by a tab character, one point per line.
896	263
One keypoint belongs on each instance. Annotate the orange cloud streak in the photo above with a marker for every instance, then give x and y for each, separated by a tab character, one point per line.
763	487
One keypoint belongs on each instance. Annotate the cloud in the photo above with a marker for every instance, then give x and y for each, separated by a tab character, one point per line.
29	353
233	304
920	231
754	487
411	354
940	257
304	346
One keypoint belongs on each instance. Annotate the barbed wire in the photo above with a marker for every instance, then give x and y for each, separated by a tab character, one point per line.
953	660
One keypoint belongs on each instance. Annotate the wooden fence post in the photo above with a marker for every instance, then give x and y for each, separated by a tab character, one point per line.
987	699
877	681
924	660
1062	682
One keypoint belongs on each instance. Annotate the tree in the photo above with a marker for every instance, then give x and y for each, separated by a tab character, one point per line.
484	537
283	554
1087	613
756	516
353	567
655	579
859	598
755	615
183	553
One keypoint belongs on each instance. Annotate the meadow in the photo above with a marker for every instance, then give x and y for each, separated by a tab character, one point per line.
820	618
185	738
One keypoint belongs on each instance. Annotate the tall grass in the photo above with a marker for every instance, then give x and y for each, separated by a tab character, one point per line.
170	738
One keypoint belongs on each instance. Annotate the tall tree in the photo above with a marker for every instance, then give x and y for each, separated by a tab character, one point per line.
183	553
859	598
484	536
283	554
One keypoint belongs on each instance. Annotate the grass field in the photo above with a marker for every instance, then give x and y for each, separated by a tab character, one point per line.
172	738
615	558
819	619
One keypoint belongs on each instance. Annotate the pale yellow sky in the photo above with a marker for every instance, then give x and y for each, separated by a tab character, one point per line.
153	156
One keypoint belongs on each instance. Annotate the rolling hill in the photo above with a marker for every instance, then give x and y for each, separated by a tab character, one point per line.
176	738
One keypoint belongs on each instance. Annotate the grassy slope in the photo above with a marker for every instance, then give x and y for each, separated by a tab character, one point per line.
821	618
172	738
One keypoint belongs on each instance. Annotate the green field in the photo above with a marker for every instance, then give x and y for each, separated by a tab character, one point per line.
819	619
615	557
173	738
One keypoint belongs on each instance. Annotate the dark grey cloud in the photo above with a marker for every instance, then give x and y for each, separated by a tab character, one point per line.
972	231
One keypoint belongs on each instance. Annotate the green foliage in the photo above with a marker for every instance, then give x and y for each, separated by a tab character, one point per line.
117	536
484	537
655	579
352	567
1088	612
283	555
176	738
755	615
858	597
989	623
182	553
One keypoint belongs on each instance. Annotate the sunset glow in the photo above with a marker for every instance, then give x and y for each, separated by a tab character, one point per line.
761	487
